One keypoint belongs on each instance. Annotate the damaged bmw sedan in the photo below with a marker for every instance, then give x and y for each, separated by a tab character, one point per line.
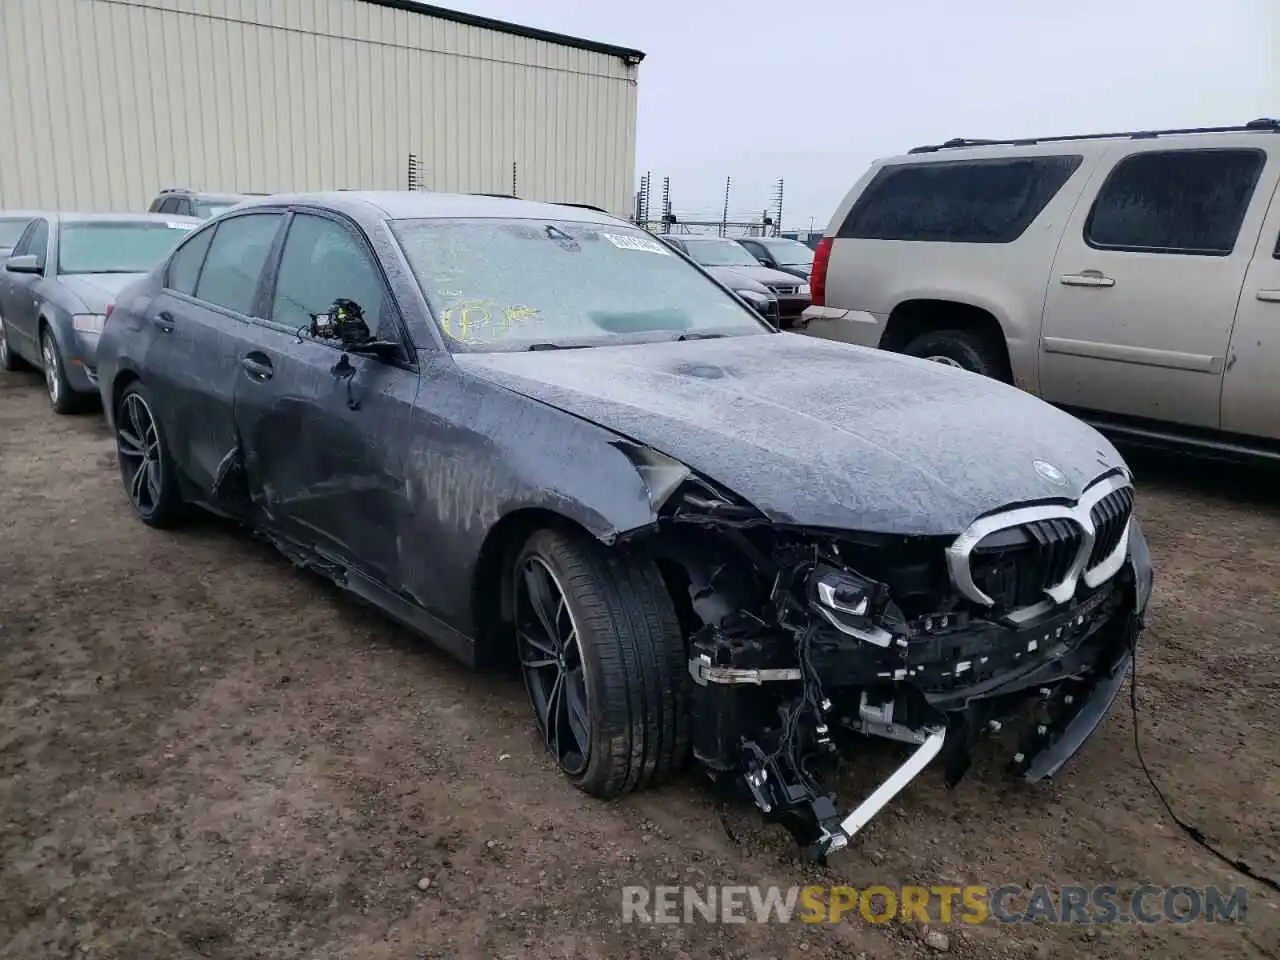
533	433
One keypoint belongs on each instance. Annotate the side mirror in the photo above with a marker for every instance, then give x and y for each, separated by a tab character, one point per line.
345	323
27	263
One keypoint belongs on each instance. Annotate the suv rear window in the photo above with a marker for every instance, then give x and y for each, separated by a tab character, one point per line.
1175	201
957	201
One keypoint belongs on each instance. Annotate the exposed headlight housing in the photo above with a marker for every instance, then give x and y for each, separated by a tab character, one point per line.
805	290
850	603
91	323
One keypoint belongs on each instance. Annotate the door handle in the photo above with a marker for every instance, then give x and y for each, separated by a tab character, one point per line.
257	366
1270	296
1086	278
164	320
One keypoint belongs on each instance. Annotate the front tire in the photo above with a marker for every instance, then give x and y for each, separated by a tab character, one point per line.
62	398
603	660
147	469
966	349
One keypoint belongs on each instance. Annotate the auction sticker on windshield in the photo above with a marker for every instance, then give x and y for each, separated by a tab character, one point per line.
625	242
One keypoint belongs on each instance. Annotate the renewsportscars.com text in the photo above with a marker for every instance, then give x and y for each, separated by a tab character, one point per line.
938	904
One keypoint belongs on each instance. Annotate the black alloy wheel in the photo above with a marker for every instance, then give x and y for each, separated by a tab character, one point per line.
145	465
551	660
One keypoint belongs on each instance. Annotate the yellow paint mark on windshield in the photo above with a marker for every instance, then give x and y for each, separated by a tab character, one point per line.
482	321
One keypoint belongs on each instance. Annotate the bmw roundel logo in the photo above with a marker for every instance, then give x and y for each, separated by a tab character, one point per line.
1050	472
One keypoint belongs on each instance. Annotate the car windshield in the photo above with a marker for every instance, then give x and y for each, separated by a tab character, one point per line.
117	246
720	253
504	285
789	253
11	230
211	208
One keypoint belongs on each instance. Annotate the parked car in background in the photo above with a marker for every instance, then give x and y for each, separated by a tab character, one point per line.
195	203
728	260
1133	279
57	287
12	223
779	253
535	434
763	300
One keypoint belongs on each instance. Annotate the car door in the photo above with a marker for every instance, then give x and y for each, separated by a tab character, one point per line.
201	321
323	429
1143	291
22	293
1250	385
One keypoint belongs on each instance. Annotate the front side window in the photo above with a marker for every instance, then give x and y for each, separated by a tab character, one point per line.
235	260
1175	201
720	253
184	268
11	230
323	261
35	240
497	284
957	201
116	246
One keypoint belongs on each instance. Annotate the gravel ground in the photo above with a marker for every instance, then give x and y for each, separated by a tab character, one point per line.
204	753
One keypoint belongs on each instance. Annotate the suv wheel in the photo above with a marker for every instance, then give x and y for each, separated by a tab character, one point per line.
965	349
603	660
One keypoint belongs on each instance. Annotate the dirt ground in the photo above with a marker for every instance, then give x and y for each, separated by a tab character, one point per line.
205	753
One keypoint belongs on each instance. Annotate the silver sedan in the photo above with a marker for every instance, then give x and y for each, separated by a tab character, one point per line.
58	284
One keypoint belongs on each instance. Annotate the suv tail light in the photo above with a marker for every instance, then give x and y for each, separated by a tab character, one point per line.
818	276
106	314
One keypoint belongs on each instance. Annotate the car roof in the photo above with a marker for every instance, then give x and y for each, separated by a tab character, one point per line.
123	218
22	214
702	238
418	204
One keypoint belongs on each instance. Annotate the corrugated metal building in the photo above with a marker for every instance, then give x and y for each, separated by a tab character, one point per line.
105	102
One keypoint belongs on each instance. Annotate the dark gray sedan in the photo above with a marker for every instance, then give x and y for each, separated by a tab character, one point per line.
58	284
536	434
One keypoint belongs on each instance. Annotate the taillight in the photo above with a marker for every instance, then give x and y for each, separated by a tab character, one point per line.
107	312
818	276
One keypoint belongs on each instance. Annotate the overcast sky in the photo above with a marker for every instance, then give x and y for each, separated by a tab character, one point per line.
812	90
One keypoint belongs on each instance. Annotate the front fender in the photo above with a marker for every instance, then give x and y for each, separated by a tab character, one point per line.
479	454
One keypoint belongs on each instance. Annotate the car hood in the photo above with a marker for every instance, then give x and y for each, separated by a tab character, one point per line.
819	433
765	275
97	290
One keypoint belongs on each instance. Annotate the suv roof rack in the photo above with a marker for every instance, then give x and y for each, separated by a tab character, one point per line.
1261	125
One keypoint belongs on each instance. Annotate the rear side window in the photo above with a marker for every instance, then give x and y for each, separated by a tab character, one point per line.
235	260
959	201
1175	201
184	268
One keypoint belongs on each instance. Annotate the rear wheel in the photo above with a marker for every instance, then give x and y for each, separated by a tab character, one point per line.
965	349
603	661
8	359
146	468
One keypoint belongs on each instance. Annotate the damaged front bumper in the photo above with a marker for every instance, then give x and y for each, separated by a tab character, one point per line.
772	710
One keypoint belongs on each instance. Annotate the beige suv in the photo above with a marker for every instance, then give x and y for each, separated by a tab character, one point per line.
1132	278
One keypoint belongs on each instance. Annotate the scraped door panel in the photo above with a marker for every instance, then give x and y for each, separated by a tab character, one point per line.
325	453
